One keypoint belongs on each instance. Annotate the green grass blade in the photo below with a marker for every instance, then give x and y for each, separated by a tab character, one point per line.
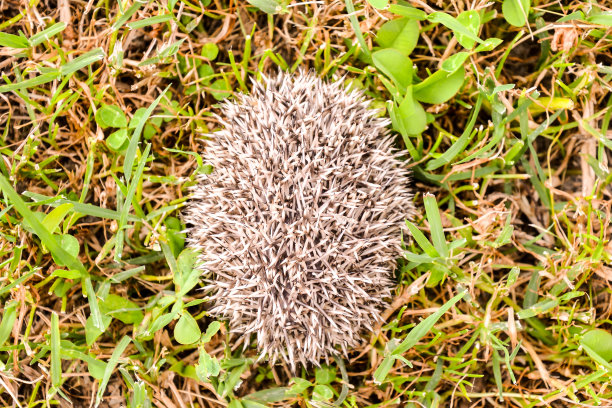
81	208
82	61
355	24
123	18
423	242
93	303
435	225
46	34
43	234
56	361
53	246
454	24
8	319
130	154
17	282
110	367
149	21
421	329
13	41
29	83
125	209
461	143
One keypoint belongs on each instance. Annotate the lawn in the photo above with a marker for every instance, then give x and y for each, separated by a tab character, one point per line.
503	297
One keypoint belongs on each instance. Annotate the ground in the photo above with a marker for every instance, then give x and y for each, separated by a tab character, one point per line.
503	298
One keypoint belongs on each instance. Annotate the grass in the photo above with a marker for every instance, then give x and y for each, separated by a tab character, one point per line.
503	296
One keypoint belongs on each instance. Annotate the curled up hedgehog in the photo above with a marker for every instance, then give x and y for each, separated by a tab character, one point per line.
299	224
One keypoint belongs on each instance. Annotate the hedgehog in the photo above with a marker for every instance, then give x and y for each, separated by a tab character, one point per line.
299	225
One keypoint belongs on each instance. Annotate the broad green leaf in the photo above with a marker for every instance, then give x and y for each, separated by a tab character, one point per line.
439	87
162	321
488	44
325	375
379	4
322	392
267	6
187	275
96	368
210	51
220	89
401	34
207	366
41	231
176	240
299	385
438	272
186	330
205	71
600	341
516	11
92	332
173	223
122	309
70	244
411	114
110	116
454	24
455	61
395	65
597	358
471	20
56	216
138	117
211	330
116	140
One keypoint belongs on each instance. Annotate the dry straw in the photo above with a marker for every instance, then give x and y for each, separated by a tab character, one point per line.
299	224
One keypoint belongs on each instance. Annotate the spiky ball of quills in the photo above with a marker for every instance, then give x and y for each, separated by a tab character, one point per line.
299	224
